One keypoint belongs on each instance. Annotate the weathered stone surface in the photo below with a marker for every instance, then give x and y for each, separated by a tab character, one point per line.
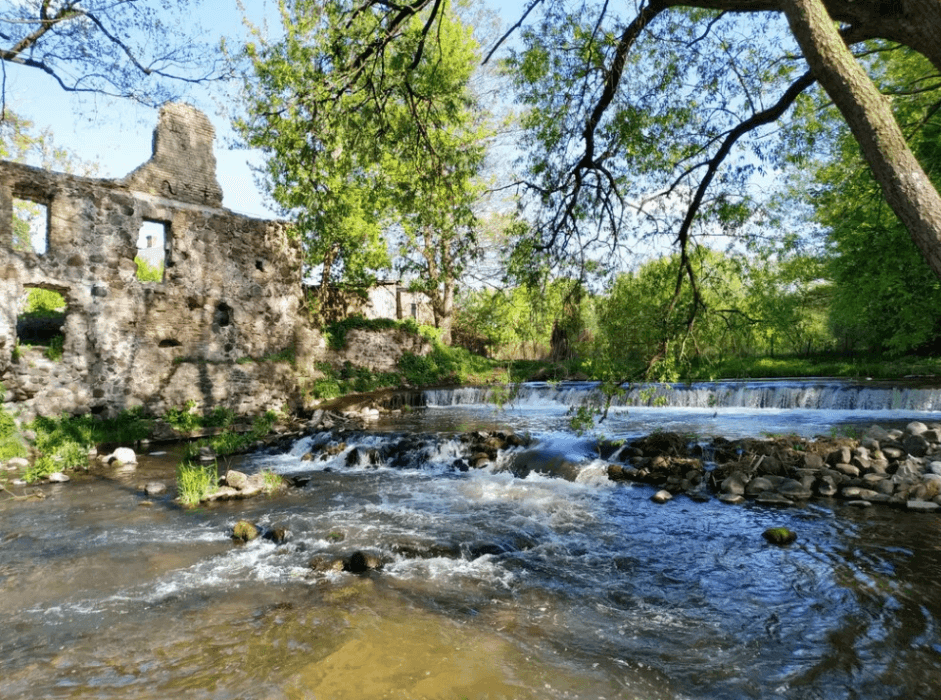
231	293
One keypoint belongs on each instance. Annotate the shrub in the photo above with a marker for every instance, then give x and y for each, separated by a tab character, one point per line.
11	444
147	272
40	469
44	303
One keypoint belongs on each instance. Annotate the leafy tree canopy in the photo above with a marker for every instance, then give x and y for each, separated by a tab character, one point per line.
366	147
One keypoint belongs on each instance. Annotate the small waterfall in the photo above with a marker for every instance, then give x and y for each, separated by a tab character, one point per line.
811	394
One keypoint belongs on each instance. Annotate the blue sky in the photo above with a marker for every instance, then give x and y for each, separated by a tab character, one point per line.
117	133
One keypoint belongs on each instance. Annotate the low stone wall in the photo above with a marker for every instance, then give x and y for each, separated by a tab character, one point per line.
379	350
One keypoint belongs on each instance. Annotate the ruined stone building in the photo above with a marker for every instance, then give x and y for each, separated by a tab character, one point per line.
229	297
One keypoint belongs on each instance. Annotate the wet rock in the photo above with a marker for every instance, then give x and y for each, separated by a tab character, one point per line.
859	503
662	496
916	428
847	469
779	535
826	486
813	461
922	506
244	531
794	489
732	499
915	445
734	484
758	485
360	562
236	479
278	535
843	455
326	564
57	478
154	488
773	499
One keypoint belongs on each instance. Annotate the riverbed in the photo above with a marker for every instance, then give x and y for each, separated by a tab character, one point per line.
493	586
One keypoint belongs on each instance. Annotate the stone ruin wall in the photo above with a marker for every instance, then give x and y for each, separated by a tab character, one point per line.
231	289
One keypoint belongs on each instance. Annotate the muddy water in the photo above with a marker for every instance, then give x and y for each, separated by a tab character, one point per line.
494	587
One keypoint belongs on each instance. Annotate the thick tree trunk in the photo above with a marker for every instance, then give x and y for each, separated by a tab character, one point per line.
906	187
443	306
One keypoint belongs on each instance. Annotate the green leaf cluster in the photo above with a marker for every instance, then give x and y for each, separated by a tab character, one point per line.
373	137
885	296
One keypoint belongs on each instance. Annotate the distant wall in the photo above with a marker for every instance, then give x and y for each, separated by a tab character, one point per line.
383	300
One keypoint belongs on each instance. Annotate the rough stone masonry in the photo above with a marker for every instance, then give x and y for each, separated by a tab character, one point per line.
230	296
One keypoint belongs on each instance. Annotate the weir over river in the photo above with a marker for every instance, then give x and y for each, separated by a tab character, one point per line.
494	586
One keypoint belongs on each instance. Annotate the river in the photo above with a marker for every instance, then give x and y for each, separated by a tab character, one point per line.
494	586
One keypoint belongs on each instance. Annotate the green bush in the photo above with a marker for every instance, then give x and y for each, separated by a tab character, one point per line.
11	444
44	303
41	468
147	272
54	349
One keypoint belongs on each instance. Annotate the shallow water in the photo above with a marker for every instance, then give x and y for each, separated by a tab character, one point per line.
494	586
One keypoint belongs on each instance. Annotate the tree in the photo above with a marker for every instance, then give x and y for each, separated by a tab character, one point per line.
365	147
886	297
122	48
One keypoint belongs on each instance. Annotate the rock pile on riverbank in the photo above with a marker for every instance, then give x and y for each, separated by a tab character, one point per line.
895	467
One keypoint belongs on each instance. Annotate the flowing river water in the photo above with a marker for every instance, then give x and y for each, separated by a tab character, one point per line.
494	586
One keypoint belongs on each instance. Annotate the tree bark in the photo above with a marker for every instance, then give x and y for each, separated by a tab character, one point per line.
904	183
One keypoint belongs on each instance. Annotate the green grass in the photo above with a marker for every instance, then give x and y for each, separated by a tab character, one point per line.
195	480
856	367
11	443
63	443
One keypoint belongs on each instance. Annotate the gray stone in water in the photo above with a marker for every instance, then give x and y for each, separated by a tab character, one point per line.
732	498
155	488
124	455
21	463
58	478
934	468
859	503
236	479
916	428
661	496
773	499
923	506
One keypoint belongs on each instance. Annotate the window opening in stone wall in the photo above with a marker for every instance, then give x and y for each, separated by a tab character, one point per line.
30	226
152	247
40	322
